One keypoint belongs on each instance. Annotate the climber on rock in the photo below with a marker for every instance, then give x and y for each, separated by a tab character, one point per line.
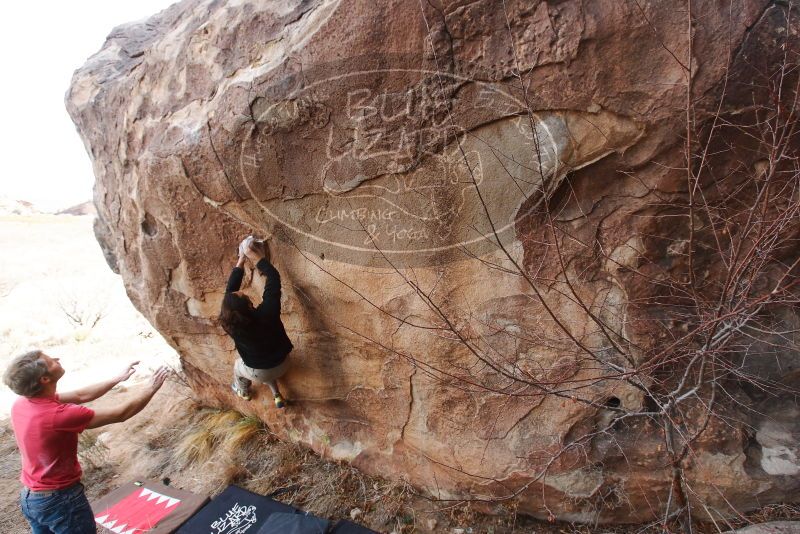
257	332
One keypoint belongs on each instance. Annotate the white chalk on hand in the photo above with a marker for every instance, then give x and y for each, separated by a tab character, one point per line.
245	244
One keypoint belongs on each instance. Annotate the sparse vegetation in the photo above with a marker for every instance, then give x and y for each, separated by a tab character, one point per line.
91	451
82	311
195	447
225	432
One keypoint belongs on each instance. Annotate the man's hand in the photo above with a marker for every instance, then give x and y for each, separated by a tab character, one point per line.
125	410
95	391
126	374
158	378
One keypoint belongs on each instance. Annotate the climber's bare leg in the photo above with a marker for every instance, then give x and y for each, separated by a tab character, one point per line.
273	385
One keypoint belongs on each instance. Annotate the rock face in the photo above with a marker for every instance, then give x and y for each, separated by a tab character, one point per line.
471	204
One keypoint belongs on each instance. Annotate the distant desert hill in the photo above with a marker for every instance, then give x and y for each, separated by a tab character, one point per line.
16	207
84	208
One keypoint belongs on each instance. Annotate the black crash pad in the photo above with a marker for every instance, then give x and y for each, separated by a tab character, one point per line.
279	523
235	511
348	527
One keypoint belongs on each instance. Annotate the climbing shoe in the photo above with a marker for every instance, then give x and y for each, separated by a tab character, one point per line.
279	402
239	393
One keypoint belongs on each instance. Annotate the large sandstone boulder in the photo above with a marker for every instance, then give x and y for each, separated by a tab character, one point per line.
473	205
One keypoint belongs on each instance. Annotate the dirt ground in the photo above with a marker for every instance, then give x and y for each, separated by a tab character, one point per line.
57	294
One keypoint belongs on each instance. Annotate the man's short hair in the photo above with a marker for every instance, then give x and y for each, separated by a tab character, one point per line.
24	373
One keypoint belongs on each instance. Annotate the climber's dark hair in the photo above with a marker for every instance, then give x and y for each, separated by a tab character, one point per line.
236	315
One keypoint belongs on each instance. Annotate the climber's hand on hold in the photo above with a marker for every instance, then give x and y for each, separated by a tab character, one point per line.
243	250
255	252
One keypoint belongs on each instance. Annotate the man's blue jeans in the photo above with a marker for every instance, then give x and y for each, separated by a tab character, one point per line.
65	511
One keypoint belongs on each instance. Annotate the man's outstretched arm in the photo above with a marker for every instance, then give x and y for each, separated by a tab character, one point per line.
95	391
125	410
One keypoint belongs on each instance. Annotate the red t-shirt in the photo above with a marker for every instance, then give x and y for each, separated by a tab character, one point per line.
47	435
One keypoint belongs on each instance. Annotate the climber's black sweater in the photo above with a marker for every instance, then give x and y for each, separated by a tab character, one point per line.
266	345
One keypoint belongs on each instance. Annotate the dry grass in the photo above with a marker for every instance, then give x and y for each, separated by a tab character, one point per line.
241	433
325	488
214	432
91	451
196	446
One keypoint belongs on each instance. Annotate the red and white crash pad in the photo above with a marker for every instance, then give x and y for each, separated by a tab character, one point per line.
146	507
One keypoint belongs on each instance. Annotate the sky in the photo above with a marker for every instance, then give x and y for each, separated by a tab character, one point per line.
41	45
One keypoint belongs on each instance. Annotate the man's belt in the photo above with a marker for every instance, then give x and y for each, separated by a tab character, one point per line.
32	493
48	493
